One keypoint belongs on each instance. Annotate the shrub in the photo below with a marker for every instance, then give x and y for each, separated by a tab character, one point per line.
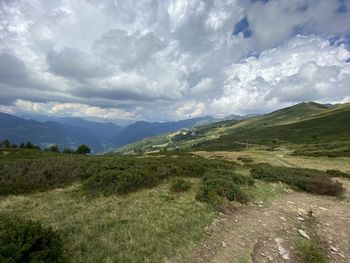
83	149
229	175
18	176
337	173
180	185
220	185
24	176
245	159
216	189
309	180
120	181
27	241
53	148
311	252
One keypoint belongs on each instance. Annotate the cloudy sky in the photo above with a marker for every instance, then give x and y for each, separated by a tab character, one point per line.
171	59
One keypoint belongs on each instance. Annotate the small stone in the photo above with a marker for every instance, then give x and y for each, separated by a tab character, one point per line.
300	218
283	218
341	255
303	234
334	249
270	258
224	244
322	208
301	212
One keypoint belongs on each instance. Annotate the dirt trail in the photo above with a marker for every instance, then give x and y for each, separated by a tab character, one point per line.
266	234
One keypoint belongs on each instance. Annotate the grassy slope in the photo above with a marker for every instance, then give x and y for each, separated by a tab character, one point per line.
300	124
303	123
145	226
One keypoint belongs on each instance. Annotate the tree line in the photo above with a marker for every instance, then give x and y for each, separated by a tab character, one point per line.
82	149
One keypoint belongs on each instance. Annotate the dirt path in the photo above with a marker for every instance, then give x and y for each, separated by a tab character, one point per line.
266	234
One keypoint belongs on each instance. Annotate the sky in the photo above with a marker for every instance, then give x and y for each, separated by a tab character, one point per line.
171	59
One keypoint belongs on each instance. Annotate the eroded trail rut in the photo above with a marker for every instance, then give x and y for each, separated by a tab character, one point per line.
265	233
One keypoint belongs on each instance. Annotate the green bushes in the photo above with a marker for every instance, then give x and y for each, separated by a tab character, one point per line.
23	176
100	174
220	185
245	159
180	185
121	181
125	174
229	175
308	180
27	241
337	173
311	250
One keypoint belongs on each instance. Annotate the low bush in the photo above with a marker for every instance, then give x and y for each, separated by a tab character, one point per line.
23	176
213	190
337	173
220	185
245	159
180	185
27	241
311	252
121	181
229	175
308	180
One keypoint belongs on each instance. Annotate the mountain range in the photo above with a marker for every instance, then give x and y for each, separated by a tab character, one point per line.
68	132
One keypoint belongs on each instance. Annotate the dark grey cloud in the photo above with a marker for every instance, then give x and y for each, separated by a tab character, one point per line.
74	63
13	72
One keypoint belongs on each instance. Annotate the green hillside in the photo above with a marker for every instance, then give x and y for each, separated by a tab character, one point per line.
308	126
304	123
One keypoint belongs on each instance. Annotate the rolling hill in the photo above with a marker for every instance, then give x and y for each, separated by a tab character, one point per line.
143	129
307	123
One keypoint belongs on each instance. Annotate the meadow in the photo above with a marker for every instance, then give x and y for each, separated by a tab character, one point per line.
141	208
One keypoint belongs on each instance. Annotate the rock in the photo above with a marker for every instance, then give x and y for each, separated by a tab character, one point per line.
301	212
270	258
283	218
322	208
300	218
224	244
281	250
334	249
341	255
303	234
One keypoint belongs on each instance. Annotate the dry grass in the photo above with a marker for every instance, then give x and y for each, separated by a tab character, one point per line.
146	226
282	158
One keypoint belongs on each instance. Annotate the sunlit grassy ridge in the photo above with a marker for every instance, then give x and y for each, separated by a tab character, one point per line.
312	129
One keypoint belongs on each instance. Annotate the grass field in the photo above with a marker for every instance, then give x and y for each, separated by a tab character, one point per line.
145	226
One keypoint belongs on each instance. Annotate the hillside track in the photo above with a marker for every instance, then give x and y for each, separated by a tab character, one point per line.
260	233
